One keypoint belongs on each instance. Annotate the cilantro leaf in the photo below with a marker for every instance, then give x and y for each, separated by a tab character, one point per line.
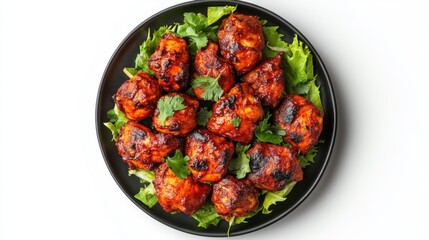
274	41
274	197
308	159
117	119
207	215
195	27
147	194
211	87
240	165
236	122
265	132
215	13
147	48
168	105
203	116
179	164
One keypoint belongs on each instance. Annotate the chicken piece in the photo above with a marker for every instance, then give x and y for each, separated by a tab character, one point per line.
209	63
241	41
267	80
301	120
141	148
178	194
137	97
182	122
170	62
273	166
236	114
233	197
209	155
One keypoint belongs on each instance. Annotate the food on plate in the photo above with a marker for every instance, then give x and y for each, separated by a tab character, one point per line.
238	161
175	114
139	147
209	63
301	120
170	62
273	166
236	114
267	80
138	96
241	41
234	198
179	194
209	155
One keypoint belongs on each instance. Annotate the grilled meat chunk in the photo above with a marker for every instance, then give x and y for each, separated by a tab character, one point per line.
301	120
141	148
137	97
273	166
209	155
182	122
236	114
267	80
233	197
209	63
178	194
241	41
170	62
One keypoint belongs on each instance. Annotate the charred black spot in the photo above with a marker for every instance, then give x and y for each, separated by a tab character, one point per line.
257	161
289	114
230	101
174	126
199	165
166	63
280	176
200	137
296	137
138	134
226	154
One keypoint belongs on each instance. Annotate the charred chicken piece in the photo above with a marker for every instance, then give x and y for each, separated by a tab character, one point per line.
170	62
267	80
182	122
137	97
209	155
178	194
241	41
236	114
141	148
301	120
209	63
273	166
233	197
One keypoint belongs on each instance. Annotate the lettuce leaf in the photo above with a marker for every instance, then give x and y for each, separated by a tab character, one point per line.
117	119
274	197
308	159
147	194
274	41
206	215
216	13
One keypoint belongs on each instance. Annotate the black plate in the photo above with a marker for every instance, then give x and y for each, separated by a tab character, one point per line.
113	77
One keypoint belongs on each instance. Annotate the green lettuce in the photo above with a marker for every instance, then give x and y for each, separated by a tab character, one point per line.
274	197
216	13
117	119
206	215
147	193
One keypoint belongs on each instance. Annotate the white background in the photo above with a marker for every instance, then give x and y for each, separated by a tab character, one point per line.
54	183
